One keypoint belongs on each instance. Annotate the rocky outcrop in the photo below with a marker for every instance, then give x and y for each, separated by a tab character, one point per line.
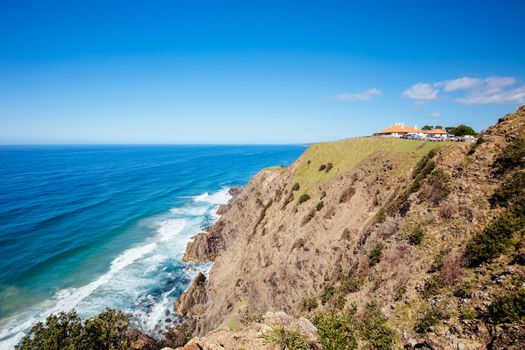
253	336
195	295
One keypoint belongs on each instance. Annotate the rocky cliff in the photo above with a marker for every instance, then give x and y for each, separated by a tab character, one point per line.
374	224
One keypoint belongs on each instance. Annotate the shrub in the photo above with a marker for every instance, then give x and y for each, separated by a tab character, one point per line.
329	167
59	331
327	293
431	288
351	281
468	313
438	261
178	335
288	200
400	292
375	254
416	237
322	167
289	339
374	328
430	317
423	163
437	186
336	331
511	190
319	206
296	187
509	307
347	194
512	157
308	217
380	216
423	168
298	244
346	234
303	198
451	270
249	318
475	146
308	304
495	239
107	330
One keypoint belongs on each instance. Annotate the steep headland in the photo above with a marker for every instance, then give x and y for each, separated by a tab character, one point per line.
420	244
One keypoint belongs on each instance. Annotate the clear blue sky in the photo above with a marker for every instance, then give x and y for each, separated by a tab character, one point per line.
253	71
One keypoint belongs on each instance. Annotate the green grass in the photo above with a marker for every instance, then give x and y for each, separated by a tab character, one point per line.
347	154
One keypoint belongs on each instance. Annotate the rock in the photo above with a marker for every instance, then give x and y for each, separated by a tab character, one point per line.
196	294
252	336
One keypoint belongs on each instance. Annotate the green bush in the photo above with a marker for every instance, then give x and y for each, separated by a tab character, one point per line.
108	330
296	187
347	194
374	328
303	198
322	167
511	191
178	335
336	330
289	339
416	237
437	186
329	167
430	317
431	288
327	293
248	318
380	216
423	168
468	313
496	239
375	255
351	281
319	206
308	304
509	307
512	157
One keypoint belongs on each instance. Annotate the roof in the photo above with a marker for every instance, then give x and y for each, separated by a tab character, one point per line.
436	132
398	129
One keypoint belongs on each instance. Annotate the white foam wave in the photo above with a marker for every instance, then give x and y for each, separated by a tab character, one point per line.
220	197
190	211
68	299
176	232
170	228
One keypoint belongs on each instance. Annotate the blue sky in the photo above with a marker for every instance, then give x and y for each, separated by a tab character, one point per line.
253	71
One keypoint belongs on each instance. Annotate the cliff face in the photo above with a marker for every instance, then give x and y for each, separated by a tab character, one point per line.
395	215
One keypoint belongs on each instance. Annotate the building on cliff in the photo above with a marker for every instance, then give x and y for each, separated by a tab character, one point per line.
398	130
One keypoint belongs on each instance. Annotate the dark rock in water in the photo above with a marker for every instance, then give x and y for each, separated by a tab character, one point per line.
168	320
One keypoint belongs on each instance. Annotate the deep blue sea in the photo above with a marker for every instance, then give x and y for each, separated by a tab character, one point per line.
90	227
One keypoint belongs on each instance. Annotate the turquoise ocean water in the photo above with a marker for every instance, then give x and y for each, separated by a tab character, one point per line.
90	227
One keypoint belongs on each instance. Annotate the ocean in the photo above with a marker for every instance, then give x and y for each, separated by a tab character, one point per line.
90	227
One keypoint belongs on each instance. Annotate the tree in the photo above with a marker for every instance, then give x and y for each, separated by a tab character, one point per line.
438	127
110	330
462	130
426	128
